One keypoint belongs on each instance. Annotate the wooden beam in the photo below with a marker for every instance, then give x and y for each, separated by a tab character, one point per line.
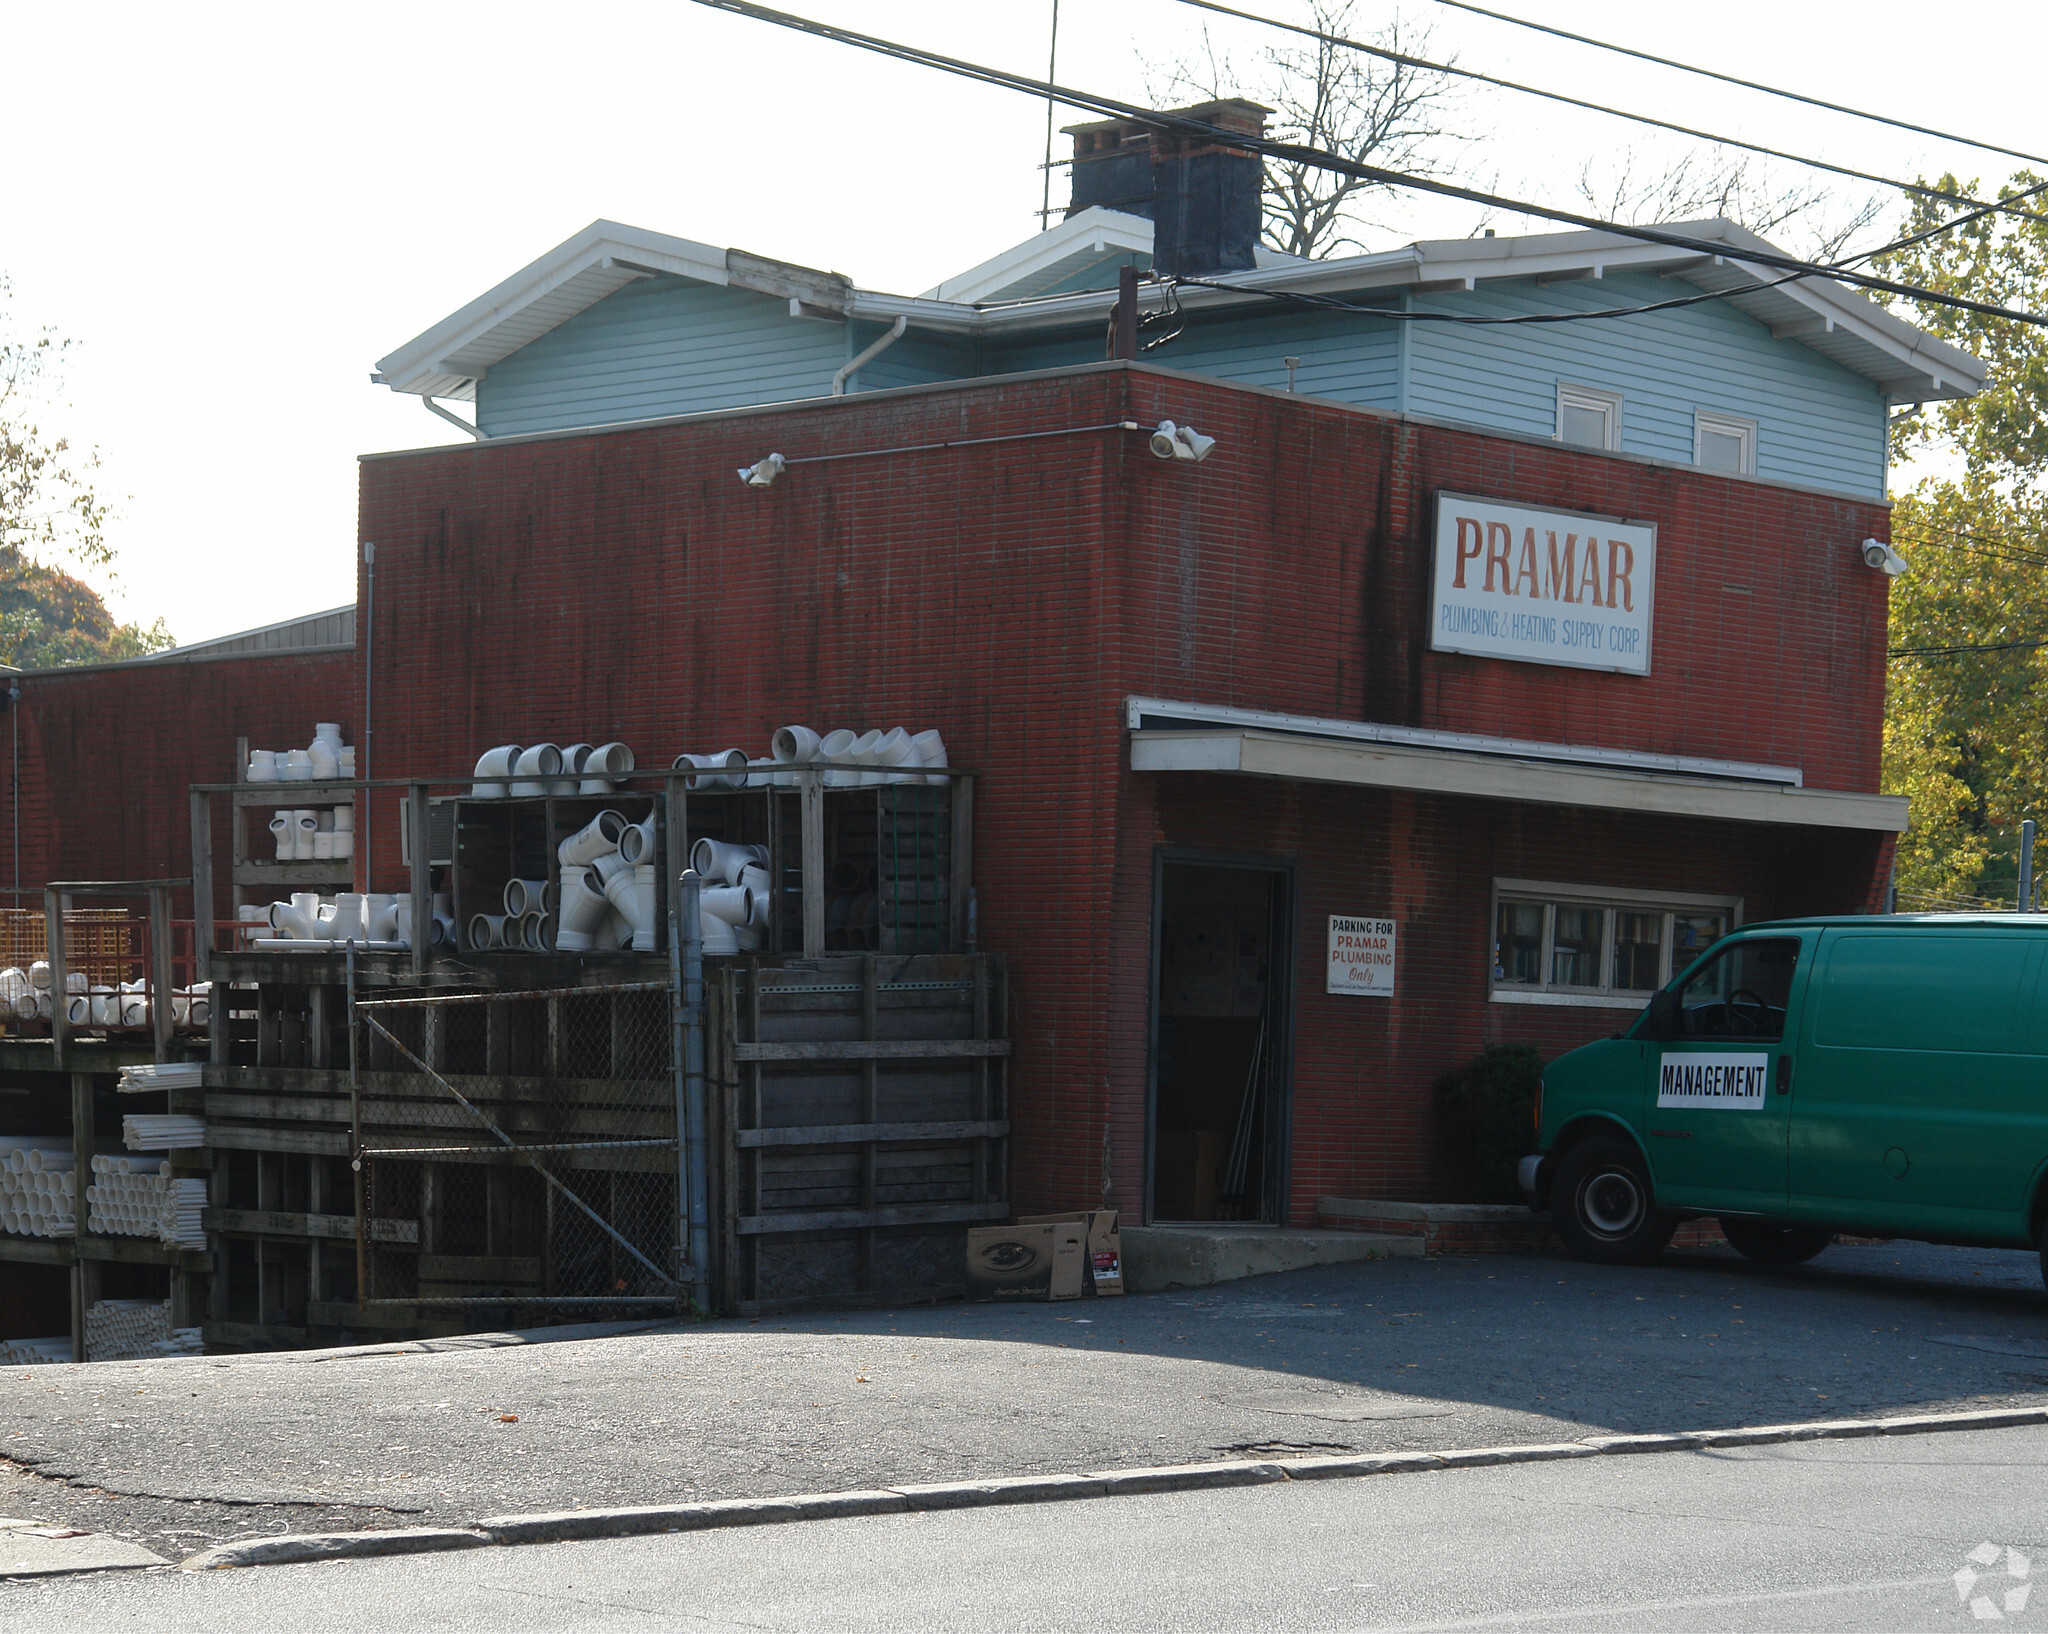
811	792
328	1227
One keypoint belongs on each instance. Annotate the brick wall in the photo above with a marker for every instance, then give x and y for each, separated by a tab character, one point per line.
1011	593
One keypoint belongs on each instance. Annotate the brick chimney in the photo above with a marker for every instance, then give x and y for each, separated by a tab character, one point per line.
1201	194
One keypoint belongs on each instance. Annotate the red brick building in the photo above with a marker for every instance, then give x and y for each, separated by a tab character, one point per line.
1004	560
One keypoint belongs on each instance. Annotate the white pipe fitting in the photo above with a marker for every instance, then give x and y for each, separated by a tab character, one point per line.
608	763
636	844
322	761
344	819
717	860
631	893
719	936
297	767
292	920
726	770
534	769
732	903
309	830
535	929
493	766
39	975
573	759
262	767
347	924
608	865
344	843
931	751
285	826
525	896
582	911
616	931
380	915
793	745
837	749
323	847
592	840
898	752
486	931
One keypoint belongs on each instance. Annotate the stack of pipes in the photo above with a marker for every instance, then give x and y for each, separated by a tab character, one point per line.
607	893
511	771
314	833
182	1223
34	1352
146	1080
161	1131
850	758
38	1190
308	921
324	760
120	1330
738	896
130	1196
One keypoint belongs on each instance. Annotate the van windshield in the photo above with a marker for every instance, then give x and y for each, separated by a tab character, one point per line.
1741	992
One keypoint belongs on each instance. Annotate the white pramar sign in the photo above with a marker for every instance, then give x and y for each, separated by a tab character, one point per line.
1542	587
1727	1082
1361	956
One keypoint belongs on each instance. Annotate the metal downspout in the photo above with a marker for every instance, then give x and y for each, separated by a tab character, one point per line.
455	420
839	380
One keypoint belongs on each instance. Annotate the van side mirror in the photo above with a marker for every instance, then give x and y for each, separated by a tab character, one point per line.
1661	1019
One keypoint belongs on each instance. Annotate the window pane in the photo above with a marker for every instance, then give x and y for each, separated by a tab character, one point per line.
1584	427
1692	934
1742	992
1721	451
1575	948
1638	940
1518	945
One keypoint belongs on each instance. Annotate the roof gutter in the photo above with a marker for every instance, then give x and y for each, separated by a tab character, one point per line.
839	380
455	420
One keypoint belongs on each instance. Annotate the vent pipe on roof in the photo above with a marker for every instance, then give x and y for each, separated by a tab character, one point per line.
888	340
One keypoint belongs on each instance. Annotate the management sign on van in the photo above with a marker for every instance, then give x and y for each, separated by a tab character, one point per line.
1543	587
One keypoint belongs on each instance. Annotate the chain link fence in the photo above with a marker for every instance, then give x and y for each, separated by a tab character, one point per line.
518	1150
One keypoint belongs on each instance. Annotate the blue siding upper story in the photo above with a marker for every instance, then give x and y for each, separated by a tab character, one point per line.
661	346
670	346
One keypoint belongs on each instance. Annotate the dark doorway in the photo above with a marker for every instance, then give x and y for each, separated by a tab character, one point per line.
1220	1039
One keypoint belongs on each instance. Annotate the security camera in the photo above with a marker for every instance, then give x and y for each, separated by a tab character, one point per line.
1878	554
763	472
1172	442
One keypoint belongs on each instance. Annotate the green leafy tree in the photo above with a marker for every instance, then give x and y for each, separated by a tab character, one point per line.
50	509
1964	731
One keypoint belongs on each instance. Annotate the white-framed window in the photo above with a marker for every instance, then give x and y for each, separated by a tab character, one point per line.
1589	945
1588	417
1724	442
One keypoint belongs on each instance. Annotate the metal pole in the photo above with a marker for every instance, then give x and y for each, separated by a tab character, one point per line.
678	1052
696	1111
2026	898
355	1139
365	828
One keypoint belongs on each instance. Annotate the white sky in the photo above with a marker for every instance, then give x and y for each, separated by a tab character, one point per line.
238	209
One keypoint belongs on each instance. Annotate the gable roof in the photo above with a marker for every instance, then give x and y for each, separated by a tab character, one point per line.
1006	294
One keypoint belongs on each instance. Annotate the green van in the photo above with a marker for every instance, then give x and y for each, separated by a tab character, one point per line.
1886	1076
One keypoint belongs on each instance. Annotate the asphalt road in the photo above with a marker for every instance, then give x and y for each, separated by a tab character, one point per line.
1862	1535
1394	1354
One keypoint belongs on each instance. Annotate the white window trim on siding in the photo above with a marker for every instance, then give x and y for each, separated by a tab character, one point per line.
1593	400
1725	425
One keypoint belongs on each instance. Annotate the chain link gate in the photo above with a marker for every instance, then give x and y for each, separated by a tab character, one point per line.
518	1150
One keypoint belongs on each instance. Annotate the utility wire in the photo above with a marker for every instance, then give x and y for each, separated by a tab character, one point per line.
1745	84
1957	652
1300	153
1424	65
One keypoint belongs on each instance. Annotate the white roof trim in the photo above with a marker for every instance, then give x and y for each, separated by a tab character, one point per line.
1436	771
1909	364
1162	714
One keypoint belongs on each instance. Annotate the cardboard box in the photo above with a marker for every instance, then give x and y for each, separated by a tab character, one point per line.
1105	1255
1037	1261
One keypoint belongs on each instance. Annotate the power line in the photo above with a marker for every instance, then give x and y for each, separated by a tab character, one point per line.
1745	84
1424	65
1957	652
1300	153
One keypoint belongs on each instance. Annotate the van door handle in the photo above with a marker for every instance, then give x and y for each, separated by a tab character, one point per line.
1784	1075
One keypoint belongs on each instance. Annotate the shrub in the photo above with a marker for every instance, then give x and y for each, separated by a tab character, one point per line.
1487	1109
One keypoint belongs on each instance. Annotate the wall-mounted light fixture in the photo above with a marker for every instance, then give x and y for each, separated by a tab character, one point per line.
763	472
1172	442
1879	555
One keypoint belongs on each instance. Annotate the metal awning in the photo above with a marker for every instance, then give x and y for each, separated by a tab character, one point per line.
1306	758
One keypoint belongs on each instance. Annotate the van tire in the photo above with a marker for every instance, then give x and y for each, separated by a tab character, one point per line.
1773	1242
1604	1208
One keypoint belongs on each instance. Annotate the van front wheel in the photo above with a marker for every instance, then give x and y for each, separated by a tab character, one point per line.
1604	1208
1772	1242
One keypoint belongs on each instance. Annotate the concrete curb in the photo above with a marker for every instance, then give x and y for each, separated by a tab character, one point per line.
568	1525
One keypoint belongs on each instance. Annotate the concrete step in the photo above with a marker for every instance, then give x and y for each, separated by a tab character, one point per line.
1195	1256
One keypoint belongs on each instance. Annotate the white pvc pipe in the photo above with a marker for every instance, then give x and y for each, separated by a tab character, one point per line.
486	930
606	866
867	751
793	745
607	764
347	923
719	936
494	765
582	911
732	903
539	930
837	747
524	896
573	758
39	975
898	752
344	819
931	750
309	830
636	843
631	893
284	826
717	860
533	768
616	931
592	840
